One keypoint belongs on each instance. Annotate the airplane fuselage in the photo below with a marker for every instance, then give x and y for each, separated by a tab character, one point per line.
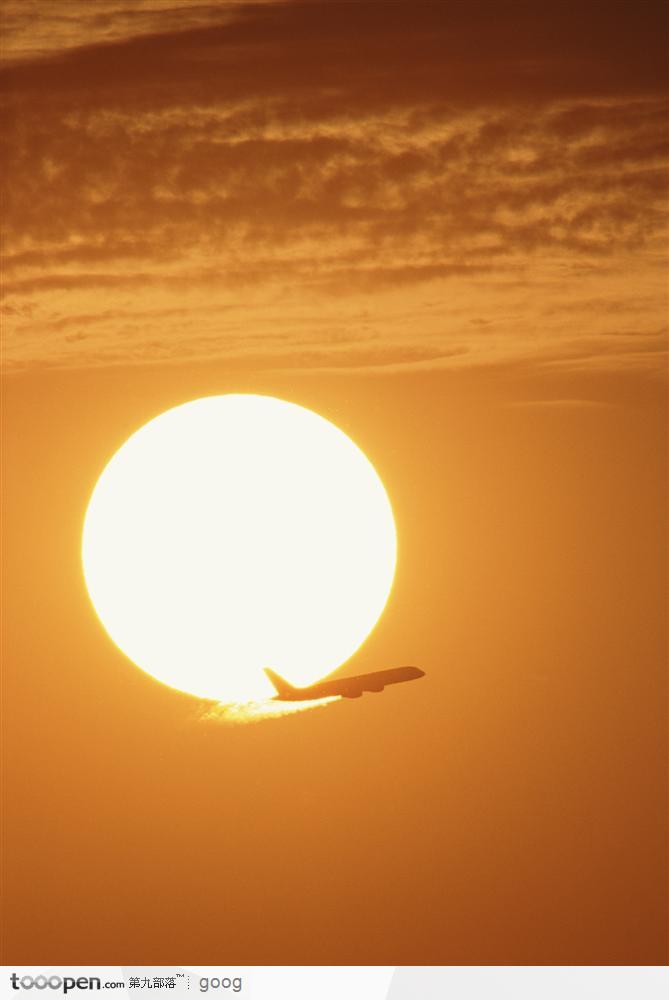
343	687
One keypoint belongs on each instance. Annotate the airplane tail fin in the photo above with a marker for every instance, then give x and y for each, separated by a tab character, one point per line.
281	686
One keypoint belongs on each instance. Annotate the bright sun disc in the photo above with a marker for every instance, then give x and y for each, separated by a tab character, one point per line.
234	533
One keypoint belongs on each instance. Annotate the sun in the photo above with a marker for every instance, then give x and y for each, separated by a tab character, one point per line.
234	533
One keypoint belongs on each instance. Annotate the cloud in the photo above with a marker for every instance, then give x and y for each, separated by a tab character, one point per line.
446	178
33	30
561	404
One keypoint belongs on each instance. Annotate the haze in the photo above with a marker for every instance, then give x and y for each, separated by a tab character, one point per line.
442	227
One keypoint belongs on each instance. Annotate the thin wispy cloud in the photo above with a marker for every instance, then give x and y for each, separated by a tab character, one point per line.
262	182
562	404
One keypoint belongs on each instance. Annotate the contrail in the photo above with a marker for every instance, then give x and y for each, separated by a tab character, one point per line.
242	713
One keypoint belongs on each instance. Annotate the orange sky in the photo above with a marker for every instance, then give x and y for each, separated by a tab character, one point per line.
443	228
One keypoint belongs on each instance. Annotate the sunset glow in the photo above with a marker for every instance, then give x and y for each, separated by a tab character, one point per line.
334	344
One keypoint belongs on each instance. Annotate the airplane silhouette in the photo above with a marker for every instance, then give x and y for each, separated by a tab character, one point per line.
346	687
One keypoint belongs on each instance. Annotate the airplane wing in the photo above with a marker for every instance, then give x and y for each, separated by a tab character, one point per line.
354	687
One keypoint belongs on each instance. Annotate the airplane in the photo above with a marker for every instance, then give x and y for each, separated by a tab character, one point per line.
345	687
